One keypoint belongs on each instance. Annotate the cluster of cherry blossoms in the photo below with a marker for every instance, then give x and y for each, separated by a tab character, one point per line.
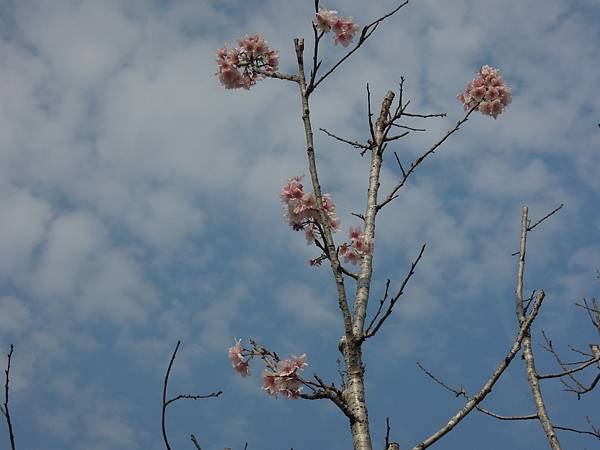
243	66
300	209
344	28
280	376
284	378
358	248
489	90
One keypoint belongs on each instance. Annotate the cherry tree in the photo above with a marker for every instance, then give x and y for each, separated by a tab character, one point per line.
307	208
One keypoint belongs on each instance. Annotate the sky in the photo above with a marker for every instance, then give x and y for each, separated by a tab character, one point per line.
139	206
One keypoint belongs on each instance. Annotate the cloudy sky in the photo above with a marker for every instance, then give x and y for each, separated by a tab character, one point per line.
139	205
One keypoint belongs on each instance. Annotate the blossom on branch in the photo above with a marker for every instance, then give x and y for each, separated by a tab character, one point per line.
237	359
358	247
285	379
300	209
344	27
243	66
489	91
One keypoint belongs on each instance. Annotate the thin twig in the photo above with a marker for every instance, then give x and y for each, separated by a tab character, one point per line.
554	211
393	300
354	144
5	410
166	402
570	371
463	393
387	432
393	194
195	441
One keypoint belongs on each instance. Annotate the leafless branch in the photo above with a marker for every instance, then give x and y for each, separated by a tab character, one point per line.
393	194
487	388
532	375
370	113
4	409
195	441
463	393
570	371
551	213
369	333
346	141
408	128
166	402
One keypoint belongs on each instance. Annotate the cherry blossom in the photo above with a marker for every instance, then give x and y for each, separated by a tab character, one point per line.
300	209
487	90
325	19
243	66
285	379
238	362
344	28
358	247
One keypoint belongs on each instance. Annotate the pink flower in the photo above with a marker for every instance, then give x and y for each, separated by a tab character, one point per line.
344	29
300	209
325	19
269	382
358	247
285	379
237	359
243	66
489	91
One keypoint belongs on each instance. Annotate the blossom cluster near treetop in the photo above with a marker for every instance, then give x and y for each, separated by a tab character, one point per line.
487	90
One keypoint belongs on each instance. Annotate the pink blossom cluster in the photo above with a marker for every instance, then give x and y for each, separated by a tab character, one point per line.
300	209
489	90
237	359
358	248
285	379
344	28
243	66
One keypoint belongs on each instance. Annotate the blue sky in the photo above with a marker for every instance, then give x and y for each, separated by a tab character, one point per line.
139	205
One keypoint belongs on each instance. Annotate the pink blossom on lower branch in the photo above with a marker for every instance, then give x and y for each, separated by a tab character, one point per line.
285	379
489	91
243	66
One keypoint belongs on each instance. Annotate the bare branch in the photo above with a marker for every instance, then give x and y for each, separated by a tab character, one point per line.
594	433
487	388
393	138
370	113
393	301
551	213
5	410
166	402
532	375
393	194
346	141
463	393
424	116
570	371
195	441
